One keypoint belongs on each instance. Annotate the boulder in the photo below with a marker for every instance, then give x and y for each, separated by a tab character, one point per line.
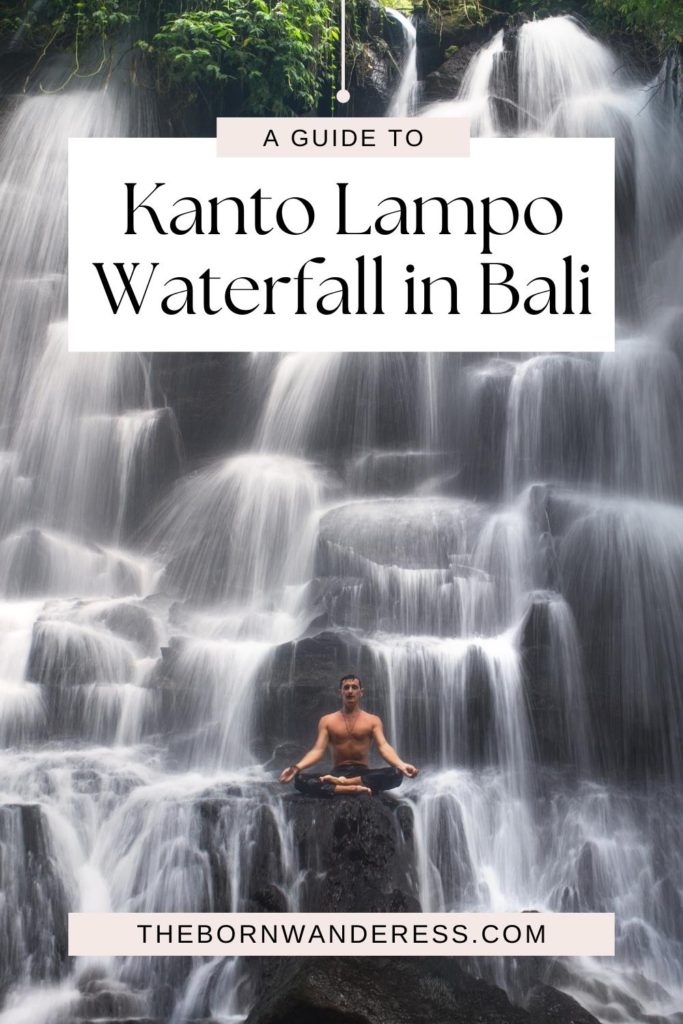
35	903
107	998
133	623
439	34
444	83
303	685
548	1006
380	991
356	853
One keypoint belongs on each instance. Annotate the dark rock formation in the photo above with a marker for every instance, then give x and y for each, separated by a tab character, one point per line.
296	697
552	727
112	1020
106	998
481	423
440	36
399	472
133	623
444	83
357	854
397	991
548	1006
210	395
34	905
155	465
64	654
374	52
504	80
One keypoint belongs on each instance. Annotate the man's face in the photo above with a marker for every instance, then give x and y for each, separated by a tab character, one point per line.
351	693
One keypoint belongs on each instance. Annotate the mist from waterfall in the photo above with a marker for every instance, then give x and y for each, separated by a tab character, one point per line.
497	544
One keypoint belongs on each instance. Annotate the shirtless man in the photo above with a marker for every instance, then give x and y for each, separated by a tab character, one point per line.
350	733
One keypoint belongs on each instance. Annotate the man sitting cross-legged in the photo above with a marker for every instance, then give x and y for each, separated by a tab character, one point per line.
350	733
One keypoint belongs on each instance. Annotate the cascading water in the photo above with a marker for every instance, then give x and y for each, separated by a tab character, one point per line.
475	99
405	99
497	542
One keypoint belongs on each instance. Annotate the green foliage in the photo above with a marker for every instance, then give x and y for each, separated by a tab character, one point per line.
272	56
659	21
279	54
407	6
62	22
84	27
264	56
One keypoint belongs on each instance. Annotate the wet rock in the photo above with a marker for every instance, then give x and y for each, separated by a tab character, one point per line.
668	906
268	900
153	465
399	472
356	852
267	863
347	601
375	47
378	991
505	77
108	998
548	1006
211	397
439	34
35	563
373	81
543	690
622	1005
413	532
116	1020
264	860
586	873
621	565
482	426
134	623
28	572
303	684
444	83
480	714
65	654
34	907
449	851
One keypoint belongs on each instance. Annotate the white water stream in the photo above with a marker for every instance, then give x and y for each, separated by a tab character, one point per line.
500	541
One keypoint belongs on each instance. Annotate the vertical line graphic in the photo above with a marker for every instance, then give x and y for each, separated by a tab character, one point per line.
343	95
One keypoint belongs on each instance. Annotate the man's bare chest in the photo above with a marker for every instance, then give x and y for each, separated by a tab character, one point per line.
342	729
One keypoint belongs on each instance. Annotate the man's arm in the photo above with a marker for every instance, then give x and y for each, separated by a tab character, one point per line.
386	751
315	754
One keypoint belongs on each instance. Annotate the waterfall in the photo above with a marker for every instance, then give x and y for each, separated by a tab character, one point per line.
475	99
559	65
405	99
496	545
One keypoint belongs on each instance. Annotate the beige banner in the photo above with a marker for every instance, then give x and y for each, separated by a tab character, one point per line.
345	137
515	934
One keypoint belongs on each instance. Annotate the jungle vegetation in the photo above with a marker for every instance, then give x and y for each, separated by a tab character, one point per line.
263	56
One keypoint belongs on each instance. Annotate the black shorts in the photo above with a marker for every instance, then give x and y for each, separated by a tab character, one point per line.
376	779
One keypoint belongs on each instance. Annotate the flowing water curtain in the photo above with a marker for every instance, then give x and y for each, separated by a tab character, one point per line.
479	532
325	402
406	97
